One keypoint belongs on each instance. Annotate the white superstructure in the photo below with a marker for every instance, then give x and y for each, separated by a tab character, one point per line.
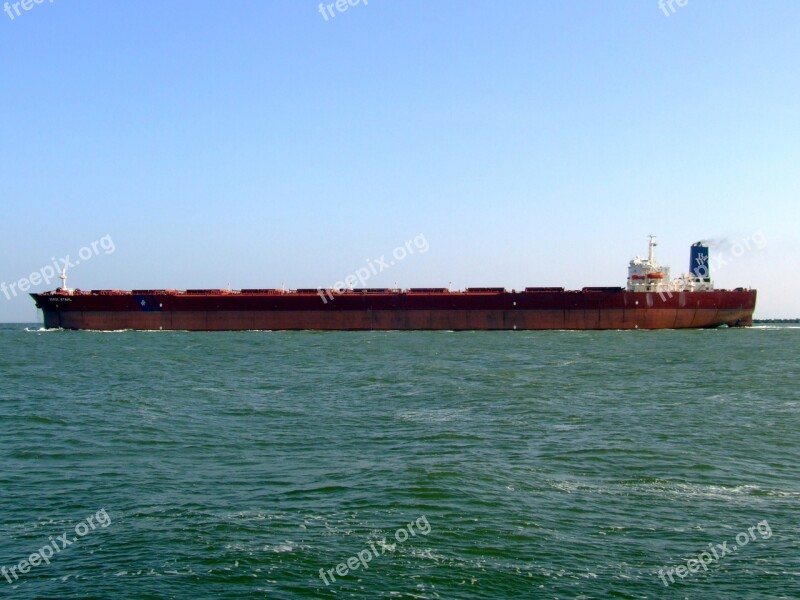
646	275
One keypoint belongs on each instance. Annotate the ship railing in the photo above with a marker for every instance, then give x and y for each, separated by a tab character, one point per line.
110	292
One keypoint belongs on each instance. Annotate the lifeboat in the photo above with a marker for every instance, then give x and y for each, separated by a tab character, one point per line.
656	275
637	277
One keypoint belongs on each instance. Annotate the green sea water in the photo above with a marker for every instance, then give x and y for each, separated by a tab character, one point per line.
438	465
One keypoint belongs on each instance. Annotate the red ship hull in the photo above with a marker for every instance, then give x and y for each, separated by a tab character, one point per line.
395	310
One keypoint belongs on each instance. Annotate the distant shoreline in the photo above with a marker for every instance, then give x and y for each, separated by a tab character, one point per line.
776	320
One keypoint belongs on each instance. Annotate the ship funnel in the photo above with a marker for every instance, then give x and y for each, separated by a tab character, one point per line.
698	262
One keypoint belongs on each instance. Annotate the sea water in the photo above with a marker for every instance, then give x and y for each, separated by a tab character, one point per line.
557	464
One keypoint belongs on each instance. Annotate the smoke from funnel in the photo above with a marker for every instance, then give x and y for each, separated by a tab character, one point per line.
719	243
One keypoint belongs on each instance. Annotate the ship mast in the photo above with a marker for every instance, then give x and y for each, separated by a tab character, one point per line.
652	256
63	278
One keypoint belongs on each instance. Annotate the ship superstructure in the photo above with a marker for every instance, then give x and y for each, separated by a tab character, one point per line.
647	275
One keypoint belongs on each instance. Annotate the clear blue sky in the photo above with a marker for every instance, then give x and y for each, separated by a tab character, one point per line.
530	143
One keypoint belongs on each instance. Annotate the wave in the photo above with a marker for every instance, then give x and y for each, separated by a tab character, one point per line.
666	488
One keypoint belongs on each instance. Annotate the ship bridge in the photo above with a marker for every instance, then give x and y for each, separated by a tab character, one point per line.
646	275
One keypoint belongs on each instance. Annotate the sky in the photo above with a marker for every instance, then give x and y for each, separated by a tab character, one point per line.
276	143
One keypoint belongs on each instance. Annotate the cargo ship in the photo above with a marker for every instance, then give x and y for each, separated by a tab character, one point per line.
650	300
